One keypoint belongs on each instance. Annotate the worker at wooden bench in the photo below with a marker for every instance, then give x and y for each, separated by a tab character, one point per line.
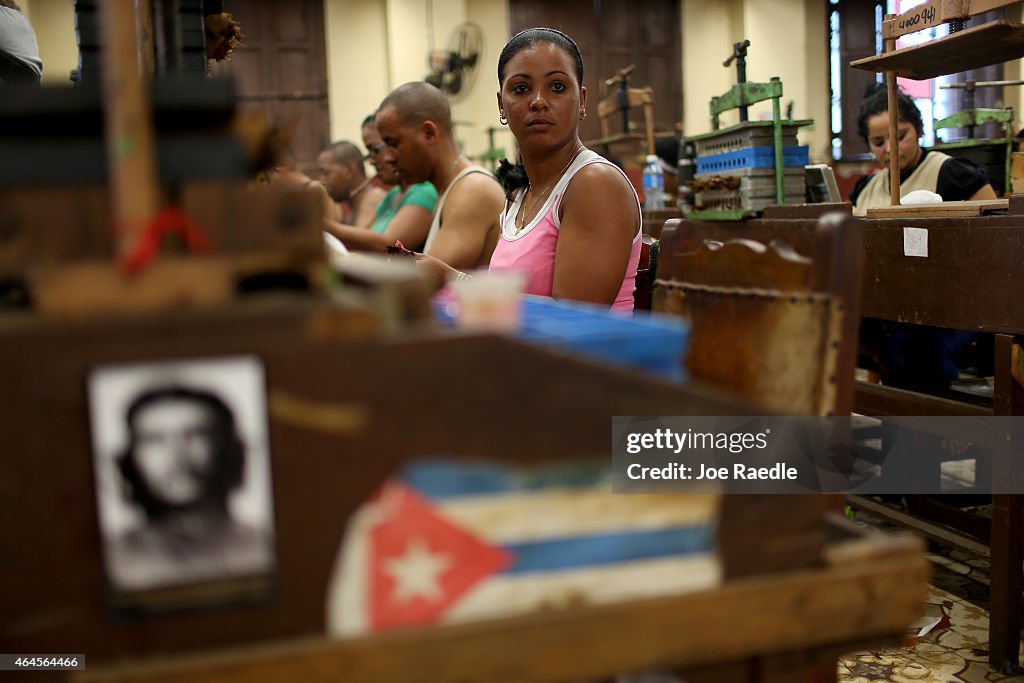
344	175
572	220
405	213
915	356
415	124
952	178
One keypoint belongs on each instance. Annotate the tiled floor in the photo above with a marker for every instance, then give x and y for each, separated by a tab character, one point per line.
956	649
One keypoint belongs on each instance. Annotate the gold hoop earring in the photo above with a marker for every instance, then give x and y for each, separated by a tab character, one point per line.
502	118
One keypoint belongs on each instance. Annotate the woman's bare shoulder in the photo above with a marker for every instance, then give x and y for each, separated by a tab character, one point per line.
599	197
598	182
601	176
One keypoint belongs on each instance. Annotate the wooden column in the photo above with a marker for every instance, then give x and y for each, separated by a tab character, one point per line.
894	142
147	51
1007	524
128	125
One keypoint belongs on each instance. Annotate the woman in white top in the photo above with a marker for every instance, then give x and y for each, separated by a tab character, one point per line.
952	178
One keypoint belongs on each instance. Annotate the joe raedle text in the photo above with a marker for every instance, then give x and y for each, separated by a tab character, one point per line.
677	471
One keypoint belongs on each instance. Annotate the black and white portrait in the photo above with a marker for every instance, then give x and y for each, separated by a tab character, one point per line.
182	471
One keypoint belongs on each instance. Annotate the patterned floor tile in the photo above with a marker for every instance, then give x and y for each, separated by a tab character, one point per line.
954	651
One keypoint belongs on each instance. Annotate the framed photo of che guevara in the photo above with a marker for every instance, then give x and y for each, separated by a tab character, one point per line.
182	472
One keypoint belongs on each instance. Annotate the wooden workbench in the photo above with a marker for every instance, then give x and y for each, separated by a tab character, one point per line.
969	280
451	393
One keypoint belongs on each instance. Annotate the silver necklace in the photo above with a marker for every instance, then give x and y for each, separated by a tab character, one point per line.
538	198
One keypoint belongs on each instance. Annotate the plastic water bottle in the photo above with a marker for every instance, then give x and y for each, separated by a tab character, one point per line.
654	184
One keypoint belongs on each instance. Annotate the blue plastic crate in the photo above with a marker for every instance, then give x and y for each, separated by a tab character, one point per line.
650	343
753	157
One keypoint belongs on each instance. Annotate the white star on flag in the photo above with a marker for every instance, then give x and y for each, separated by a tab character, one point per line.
417	572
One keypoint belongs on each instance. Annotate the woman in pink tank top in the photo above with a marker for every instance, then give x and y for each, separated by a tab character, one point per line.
573	221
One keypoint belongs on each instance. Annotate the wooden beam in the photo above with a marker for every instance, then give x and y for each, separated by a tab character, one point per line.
821	607
936	12
637	97
147	51
937	532
981	6
894	145
1007	523
975	207
926	15
128	125
877	400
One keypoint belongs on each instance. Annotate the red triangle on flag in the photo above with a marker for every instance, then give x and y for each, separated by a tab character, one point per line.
421	563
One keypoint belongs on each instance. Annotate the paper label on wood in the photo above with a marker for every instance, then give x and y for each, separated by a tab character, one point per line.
915	242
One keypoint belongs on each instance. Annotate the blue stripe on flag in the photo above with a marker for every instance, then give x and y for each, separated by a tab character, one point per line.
439	479
612	548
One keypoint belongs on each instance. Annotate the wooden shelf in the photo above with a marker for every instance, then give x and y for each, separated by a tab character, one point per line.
973	48
941	210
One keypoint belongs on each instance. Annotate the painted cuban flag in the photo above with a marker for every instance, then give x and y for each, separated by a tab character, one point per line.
455	541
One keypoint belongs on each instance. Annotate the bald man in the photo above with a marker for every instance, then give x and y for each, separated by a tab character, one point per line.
343	174
415	124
